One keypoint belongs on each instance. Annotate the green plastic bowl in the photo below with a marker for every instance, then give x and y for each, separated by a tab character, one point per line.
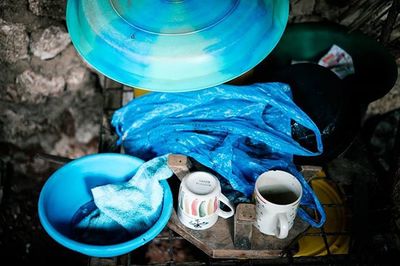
375	68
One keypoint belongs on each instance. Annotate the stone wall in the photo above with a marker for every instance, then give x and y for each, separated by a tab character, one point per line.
49	99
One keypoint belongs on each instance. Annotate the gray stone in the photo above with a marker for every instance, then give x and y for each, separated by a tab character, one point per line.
76	77
19	128
86	117
329	10
68	147
395	34
51	42
67	125
9	93
13	42
34	6
351	17
70	66
36	88
87	131
301	8
48	8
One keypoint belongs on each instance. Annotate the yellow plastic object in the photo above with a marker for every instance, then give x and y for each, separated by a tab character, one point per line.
140	92
335	222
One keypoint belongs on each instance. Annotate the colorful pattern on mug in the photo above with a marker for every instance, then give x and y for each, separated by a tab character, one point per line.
194	208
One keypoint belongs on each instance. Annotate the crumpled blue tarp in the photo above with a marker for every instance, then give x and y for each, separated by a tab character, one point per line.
238	131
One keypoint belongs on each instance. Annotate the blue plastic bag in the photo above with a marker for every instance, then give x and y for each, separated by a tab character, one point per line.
238	131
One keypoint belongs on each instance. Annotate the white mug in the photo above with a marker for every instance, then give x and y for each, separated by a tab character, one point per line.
277	196
198	201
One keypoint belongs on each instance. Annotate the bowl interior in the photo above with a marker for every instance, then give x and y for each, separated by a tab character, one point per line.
69	188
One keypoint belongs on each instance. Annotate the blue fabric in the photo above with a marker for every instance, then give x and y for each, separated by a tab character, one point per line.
238	131
134	205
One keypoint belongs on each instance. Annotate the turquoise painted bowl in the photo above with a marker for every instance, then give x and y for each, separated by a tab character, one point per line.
175	45
68	189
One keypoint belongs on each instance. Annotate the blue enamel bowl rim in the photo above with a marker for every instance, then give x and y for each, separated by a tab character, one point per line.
173	86
105	250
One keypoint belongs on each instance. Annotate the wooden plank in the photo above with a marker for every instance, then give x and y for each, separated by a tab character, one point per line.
245	216
94	261
246	254
261	241
220	236
219	240
179	164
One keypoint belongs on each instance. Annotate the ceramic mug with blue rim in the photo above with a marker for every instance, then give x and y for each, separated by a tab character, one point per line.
199	201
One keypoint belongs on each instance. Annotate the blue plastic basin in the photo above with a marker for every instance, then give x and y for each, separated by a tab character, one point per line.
69	188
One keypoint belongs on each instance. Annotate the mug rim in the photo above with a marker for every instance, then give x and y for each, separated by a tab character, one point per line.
264	200
215	192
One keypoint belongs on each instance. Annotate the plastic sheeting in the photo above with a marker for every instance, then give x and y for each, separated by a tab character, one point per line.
238	131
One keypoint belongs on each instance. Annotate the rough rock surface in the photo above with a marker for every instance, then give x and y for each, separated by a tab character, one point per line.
301	8
50	8
13	42
51	42
36	88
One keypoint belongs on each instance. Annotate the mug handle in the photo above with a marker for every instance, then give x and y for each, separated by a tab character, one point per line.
283	226
225	214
